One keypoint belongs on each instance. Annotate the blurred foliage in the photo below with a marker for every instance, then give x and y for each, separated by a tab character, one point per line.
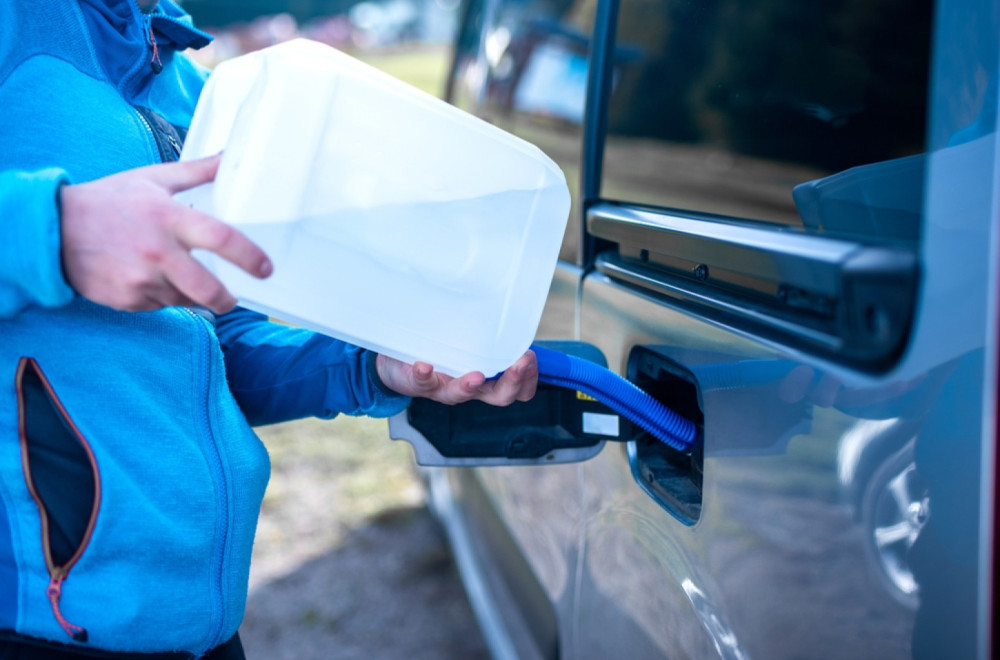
224	12
424	68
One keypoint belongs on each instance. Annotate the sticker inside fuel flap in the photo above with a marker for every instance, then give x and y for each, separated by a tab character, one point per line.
600	424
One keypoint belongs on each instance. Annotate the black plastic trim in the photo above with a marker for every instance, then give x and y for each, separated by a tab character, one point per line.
848	301
671	477
599	79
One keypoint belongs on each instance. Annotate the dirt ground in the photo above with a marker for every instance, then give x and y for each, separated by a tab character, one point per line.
348	563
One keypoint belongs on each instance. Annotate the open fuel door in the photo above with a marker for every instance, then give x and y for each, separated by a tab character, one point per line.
559	425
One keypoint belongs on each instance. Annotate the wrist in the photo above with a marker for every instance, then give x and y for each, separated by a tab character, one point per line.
375	363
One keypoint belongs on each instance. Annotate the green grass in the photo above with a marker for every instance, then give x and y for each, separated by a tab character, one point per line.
328	479
425	68
350	457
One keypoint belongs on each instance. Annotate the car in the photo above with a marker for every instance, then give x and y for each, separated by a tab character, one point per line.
783	229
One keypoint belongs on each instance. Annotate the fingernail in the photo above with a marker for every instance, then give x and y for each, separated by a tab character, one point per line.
266	268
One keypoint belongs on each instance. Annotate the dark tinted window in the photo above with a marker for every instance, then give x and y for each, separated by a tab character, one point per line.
522	65
809	114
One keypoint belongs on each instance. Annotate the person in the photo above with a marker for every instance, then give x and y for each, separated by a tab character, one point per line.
130	477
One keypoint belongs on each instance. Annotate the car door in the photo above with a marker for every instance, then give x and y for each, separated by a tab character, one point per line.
783	228
835	510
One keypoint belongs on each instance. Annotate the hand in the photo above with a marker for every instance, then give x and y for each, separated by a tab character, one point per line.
517	383
127	243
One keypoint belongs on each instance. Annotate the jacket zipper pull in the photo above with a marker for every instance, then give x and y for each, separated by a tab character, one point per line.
54	592
175	145
154	61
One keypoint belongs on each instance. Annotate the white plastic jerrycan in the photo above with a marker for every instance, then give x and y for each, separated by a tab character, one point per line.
395	221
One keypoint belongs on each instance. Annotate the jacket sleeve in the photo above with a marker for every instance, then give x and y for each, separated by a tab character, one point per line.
278	373
30	244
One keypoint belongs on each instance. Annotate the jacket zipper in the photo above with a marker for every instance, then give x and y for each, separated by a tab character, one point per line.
215	459
57	574
129	81
54	592
175	146
154	61
149	129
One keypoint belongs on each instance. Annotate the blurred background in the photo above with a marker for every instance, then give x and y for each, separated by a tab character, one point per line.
347	562
360	27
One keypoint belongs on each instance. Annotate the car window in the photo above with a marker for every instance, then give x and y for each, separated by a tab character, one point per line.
802	114
522	65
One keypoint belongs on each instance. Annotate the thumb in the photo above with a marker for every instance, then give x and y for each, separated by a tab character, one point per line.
182	175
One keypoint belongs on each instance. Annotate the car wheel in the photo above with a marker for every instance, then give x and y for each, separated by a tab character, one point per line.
895	508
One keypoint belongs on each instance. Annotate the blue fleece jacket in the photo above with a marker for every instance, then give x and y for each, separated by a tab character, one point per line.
147	415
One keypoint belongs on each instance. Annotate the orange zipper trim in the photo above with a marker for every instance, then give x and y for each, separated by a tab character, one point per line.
57	574
54	592
154	62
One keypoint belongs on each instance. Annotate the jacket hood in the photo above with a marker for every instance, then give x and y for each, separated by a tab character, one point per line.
171	23
119	32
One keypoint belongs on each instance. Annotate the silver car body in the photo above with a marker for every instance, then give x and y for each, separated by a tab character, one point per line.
844	500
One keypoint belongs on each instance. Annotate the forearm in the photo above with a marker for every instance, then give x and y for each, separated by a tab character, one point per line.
278	373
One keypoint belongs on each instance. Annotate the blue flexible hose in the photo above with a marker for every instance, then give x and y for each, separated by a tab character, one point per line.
569	371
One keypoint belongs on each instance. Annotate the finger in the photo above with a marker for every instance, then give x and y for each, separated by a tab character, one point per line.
198	230
422	373
420	379
529	377
524	379
472	383
513	385
195	285
517	383
182	175
464	388
451	391
145	303
166	296
150	296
